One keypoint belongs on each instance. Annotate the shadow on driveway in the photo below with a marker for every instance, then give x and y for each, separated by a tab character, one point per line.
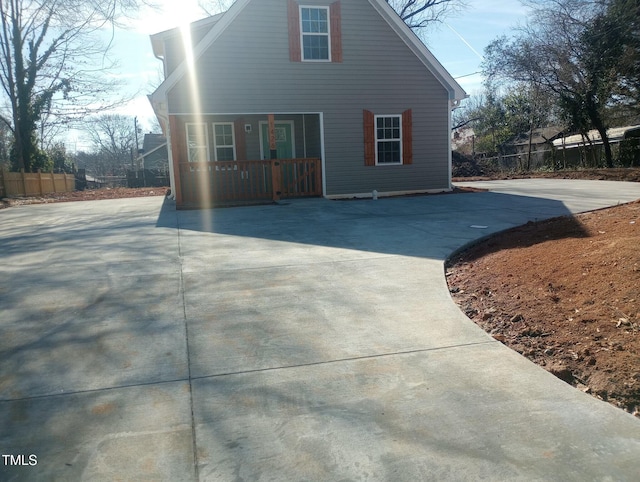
425	227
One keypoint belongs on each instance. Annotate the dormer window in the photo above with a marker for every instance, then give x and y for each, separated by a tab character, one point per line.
315	32
314	28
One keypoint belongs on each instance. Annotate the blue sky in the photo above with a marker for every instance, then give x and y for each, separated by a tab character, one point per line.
458	45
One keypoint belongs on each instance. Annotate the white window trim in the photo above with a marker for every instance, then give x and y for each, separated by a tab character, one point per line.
328	34
233	139
206	133
375	127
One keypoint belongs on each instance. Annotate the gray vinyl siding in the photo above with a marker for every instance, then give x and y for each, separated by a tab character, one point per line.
247	70
158	159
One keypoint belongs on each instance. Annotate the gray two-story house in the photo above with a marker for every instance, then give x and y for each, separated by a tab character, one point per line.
283	98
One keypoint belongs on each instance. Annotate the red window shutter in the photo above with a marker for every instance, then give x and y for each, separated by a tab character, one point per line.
295	53
336	32
241	145
369	138
407	137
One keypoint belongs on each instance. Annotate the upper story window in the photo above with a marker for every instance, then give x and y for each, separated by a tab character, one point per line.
224	141
388	139
197	142
314	30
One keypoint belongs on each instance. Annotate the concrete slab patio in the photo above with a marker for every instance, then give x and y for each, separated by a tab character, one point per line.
311	340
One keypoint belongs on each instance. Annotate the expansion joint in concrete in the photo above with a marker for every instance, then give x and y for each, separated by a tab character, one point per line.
344	360
188	354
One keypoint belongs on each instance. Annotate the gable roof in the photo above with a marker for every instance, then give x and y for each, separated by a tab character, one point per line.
157	39
222	21
540	135
151	141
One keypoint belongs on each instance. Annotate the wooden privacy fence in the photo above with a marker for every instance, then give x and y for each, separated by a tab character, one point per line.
229	182
34	183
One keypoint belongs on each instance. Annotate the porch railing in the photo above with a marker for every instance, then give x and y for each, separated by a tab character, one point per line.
229	182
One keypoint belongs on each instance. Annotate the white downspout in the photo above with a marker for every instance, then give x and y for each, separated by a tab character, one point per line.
453	104
322	153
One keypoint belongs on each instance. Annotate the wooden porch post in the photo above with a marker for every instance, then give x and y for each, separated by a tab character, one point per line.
276	179
272	137
175	157
276	174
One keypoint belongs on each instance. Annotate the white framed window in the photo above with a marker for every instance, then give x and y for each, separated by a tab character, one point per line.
197	142
315	34
388	139
224	141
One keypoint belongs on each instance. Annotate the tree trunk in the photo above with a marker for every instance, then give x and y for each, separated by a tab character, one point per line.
18	148
602	130
608	154
20	96
530	147
531	124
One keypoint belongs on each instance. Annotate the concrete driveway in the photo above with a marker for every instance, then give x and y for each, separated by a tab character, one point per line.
311	340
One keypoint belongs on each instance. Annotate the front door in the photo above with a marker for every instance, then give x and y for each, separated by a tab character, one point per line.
284	140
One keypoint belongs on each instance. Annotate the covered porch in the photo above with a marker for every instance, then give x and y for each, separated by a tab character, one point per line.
245	158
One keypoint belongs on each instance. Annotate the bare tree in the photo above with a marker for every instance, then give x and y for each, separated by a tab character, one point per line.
4	146
420	14
417	14
52	64
212	7
113	139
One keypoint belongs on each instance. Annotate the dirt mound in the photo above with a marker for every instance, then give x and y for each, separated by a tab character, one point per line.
565	293
466	168
86	195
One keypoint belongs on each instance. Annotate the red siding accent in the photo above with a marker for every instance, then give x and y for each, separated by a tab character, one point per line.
369	138
273	145
178	153
336	31
295	52
407	137
241	144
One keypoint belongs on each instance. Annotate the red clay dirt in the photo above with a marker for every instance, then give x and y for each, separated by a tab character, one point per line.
565	293
86	195
471	173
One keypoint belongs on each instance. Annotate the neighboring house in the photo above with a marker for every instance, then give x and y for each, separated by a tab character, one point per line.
537	143
279	98
154	154
580	150
539	139
153	163
463	140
